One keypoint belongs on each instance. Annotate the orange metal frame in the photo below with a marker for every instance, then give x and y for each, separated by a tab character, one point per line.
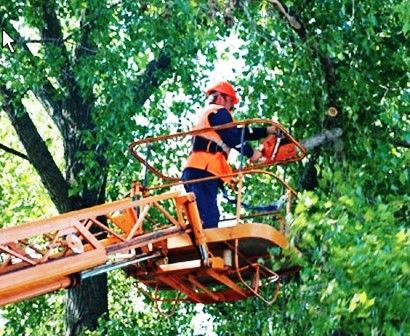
134	145
41	256
183	277
213	265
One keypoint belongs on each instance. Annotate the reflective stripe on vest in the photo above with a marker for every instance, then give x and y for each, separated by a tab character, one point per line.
215	163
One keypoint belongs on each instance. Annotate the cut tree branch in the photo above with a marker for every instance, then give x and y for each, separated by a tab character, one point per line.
322	138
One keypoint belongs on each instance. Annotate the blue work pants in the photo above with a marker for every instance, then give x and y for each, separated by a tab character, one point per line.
205	193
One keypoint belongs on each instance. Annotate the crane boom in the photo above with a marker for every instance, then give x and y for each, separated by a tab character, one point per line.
158	239
46	255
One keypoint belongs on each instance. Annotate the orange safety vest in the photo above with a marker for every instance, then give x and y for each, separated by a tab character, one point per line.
215	163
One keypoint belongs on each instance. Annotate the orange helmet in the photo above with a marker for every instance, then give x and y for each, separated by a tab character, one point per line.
224	87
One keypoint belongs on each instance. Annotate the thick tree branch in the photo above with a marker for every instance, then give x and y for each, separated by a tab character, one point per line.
309	179
46	94
79	102
327	64
322	138
85	304
293	20
38	153
151	78
86	46
14	152
52	28
76	107
330	120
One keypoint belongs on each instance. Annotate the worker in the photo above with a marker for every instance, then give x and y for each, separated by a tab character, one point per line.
210	150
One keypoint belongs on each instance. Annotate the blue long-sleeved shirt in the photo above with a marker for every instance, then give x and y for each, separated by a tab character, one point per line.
232	136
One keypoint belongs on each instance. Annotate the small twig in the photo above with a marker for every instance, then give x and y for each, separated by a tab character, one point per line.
291	19
14	152
55	40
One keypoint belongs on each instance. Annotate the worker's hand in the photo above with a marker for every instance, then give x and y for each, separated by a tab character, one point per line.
271	129
276	131
256	155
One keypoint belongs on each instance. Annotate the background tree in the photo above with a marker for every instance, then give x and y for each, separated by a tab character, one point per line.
352	231
99	65
96	64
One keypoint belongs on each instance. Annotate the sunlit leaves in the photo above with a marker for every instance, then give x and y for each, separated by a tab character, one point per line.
403	9
352	231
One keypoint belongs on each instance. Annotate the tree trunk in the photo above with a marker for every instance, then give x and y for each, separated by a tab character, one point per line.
85	304
71	109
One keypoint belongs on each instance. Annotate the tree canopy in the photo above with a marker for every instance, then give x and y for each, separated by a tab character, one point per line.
87	77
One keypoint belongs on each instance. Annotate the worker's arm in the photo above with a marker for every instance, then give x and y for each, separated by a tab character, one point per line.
255	133
232	136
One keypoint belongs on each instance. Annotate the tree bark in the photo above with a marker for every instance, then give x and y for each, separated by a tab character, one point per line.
86	304
71	110
38	154
322	138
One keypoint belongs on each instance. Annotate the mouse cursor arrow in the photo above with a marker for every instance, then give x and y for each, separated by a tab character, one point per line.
7	41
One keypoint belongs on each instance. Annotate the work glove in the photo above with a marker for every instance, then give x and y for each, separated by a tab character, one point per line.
256	155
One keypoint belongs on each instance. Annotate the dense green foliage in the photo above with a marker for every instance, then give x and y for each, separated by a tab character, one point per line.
352	231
